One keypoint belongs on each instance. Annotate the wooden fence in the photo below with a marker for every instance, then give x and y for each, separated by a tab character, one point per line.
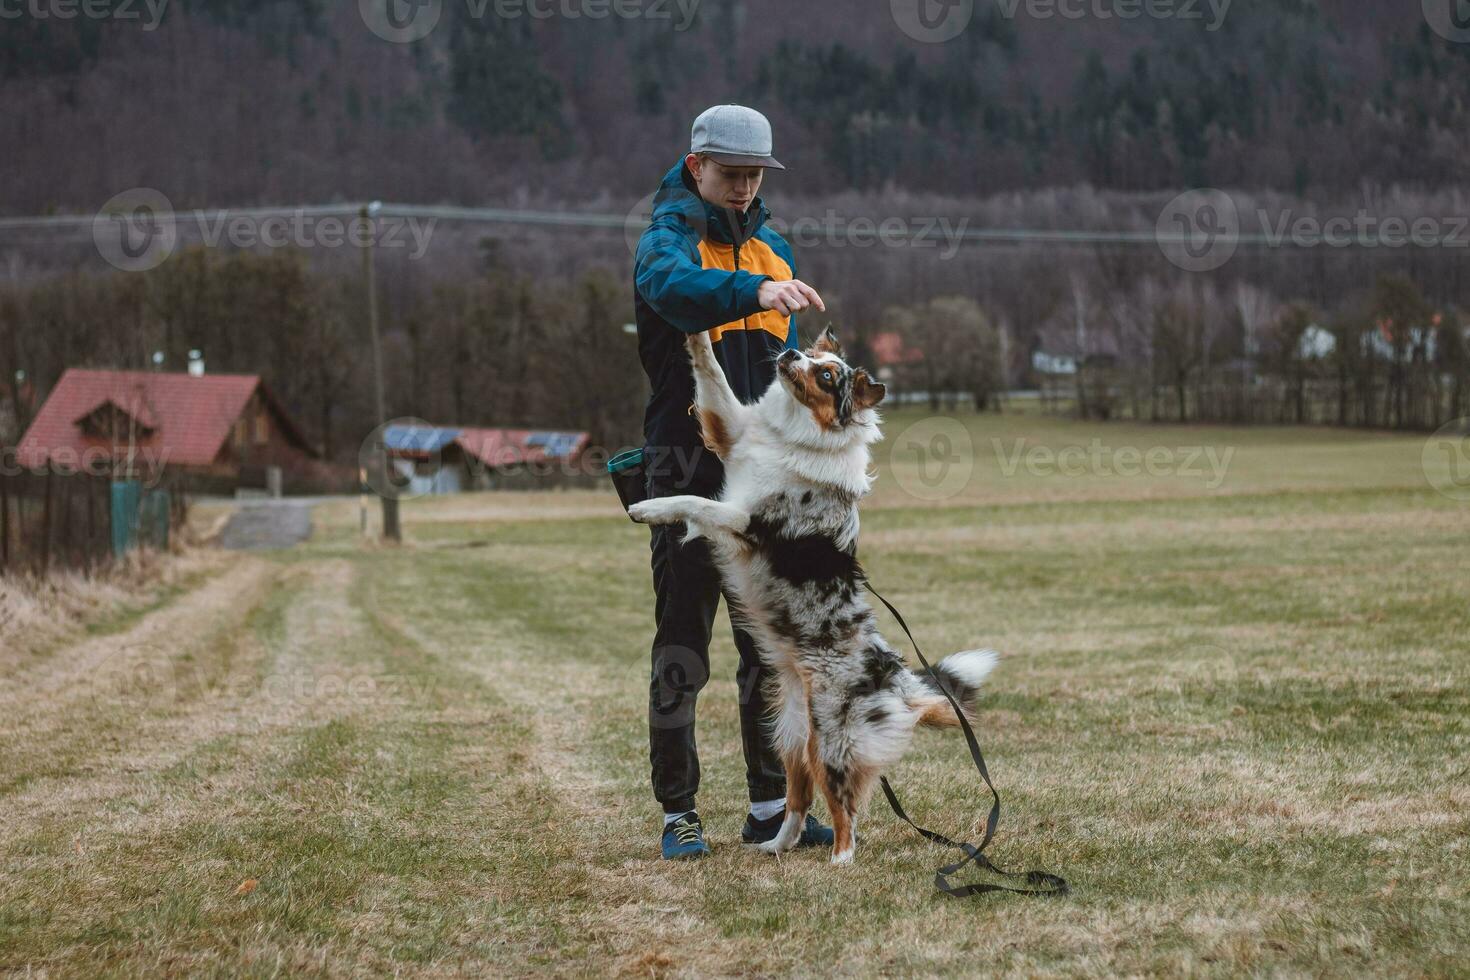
54	520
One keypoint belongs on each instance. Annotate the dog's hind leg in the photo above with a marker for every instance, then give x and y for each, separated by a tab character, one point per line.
844	814
846	788
797	745
798	803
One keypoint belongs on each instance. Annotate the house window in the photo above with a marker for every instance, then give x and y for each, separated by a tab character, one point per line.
262	428
240	433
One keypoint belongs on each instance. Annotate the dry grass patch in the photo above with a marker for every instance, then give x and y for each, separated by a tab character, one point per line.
1232	720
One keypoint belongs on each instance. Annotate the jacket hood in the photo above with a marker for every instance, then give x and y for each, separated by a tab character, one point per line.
678	196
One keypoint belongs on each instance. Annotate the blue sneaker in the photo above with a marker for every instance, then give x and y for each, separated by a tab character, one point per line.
684	839
813	834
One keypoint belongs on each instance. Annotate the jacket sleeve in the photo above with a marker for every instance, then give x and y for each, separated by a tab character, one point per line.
683	292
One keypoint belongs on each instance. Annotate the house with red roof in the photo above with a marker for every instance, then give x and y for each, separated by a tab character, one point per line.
442	459
224	429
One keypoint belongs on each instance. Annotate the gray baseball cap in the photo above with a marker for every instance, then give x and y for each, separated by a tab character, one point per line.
735	136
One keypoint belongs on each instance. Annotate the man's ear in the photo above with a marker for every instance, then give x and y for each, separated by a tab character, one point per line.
865	391
827	343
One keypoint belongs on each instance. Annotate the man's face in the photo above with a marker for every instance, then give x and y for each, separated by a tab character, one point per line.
725	187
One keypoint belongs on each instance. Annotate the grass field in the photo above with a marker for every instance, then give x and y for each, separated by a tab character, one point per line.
1232	711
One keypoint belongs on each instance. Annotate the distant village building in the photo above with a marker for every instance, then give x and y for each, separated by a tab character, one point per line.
443	459
1316	344
1072	369
1045	363
222	431
890	352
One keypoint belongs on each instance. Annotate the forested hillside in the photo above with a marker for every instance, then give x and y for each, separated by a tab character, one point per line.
224	102
1304	111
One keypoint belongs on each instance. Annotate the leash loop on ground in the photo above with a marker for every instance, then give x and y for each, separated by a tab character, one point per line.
1039	882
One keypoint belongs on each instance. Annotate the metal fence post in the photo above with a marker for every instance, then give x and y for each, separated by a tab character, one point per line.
46	524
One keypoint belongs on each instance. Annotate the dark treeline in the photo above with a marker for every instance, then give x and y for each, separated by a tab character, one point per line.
286	101
492	349
524	326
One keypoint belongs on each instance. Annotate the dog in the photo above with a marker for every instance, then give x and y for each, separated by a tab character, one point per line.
784	533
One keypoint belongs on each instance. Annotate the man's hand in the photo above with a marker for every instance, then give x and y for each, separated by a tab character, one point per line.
789	297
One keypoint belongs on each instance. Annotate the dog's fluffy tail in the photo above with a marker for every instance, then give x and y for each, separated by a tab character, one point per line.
962	673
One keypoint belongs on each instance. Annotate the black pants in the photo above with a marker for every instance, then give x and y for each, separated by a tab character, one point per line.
687	592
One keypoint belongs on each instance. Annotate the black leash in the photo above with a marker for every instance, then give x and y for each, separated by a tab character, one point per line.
1041	882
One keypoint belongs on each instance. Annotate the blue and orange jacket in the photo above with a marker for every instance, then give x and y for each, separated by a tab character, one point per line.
699	267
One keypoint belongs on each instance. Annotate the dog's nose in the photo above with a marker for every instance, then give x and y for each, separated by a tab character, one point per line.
789	354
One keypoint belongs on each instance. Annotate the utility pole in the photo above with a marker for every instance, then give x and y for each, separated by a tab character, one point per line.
386	492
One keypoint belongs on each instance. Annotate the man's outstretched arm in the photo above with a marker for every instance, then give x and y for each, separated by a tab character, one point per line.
694	298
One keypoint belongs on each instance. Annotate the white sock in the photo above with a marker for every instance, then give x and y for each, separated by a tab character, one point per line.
671	817
768	809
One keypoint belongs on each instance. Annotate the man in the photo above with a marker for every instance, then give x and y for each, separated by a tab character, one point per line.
707	262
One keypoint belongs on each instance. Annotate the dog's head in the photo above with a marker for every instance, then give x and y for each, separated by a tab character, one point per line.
838	399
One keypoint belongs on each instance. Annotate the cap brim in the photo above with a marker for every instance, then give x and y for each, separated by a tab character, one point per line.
734	160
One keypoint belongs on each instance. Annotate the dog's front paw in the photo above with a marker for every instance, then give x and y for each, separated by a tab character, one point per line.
701	349
651	512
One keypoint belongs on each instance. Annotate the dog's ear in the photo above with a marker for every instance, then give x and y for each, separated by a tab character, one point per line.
827	343
865	391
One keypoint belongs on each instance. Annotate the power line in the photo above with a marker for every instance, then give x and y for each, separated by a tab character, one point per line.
632	222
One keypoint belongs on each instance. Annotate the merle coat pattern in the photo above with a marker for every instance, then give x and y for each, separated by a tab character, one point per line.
784	533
